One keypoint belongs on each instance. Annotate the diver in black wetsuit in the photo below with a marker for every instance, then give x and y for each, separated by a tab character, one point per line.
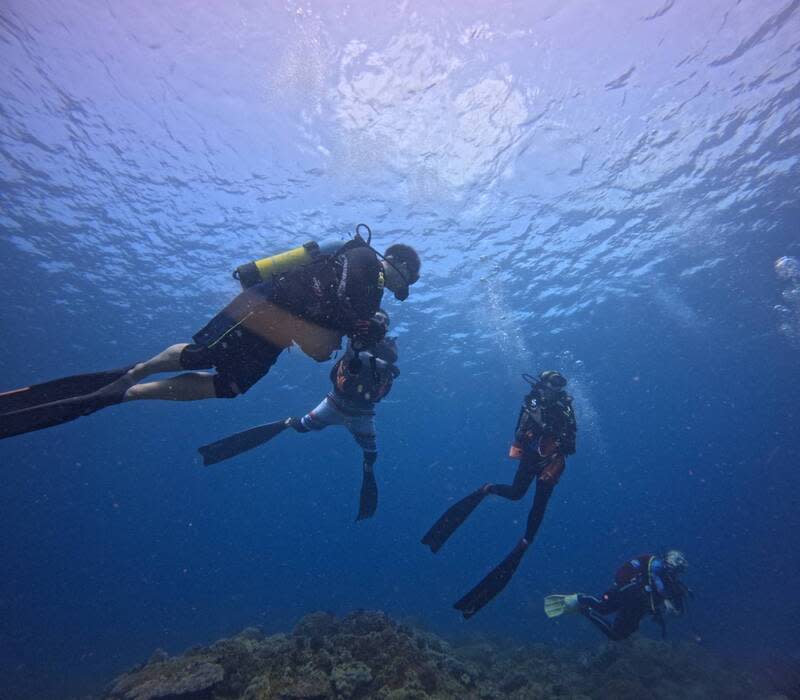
361	379
544	437
645	585
331	292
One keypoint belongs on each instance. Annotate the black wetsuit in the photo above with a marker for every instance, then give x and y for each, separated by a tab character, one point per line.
544	437
641	588
539	422
530	467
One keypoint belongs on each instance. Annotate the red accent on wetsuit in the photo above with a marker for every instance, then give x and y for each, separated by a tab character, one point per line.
552	472
628	572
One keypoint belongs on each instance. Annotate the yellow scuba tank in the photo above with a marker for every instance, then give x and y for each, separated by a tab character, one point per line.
261	270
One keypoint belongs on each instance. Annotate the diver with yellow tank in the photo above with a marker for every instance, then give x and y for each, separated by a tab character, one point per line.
310	296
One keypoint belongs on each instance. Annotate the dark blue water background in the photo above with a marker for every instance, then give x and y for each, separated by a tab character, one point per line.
601	188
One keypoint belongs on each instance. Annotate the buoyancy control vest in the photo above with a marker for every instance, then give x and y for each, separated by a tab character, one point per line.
636	570
539	418
368	380
641	573
331	283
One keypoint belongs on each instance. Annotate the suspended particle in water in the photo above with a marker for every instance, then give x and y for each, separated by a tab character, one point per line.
787	267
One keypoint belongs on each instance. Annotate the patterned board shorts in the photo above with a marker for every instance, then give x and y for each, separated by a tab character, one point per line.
361	427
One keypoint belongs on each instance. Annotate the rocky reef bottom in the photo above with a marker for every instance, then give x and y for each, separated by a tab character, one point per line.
368	655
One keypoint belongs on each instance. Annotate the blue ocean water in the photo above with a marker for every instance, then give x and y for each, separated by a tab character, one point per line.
599	188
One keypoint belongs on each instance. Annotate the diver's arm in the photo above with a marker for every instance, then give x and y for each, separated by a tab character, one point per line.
678	602
567	441
675	597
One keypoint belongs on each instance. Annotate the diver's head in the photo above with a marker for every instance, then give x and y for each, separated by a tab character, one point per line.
401	266
382	317
675	562
551	384
548	386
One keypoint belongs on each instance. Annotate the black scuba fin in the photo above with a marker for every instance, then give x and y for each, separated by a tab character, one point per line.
368	501
58	389
494	582
452	519
240	442
47	415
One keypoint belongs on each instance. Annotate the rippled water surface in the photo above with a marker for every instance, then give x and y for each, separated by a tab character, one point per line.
605	188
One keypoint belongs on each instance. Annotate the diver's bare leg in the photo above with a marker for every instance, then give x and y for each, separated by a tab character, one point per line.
168	360
193	386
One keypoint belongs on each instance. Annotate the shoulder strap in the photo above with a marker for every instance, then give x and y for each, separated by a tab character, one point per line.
355	242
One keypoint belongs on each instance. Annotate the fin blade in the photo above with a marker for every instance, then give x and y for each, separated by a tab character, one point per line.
58	389
368	500
236	444
492	584
451	520
554	605
48	415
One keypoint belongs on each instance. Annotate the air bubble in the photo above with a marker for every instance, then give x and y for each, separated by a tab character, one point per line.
789	330
792	295
781	309
787	267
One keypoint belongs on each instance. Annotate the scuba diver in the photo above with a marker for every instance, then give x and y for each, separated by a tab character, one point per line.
544	437
361	378
311	295
647	584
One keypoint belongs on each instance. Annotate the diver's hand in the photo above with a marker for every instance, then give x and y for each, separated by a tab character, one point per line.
368	332
669	607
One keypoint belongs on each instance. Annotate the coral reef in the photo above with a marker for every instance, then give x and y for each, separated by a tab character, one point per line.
368	655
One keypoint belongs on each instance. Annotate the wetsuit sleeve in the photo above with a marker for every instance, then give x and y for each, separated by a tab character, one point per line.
669	588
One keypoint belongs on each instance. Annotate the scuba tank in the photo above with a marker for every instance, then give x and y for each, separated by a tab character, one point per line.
258	271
